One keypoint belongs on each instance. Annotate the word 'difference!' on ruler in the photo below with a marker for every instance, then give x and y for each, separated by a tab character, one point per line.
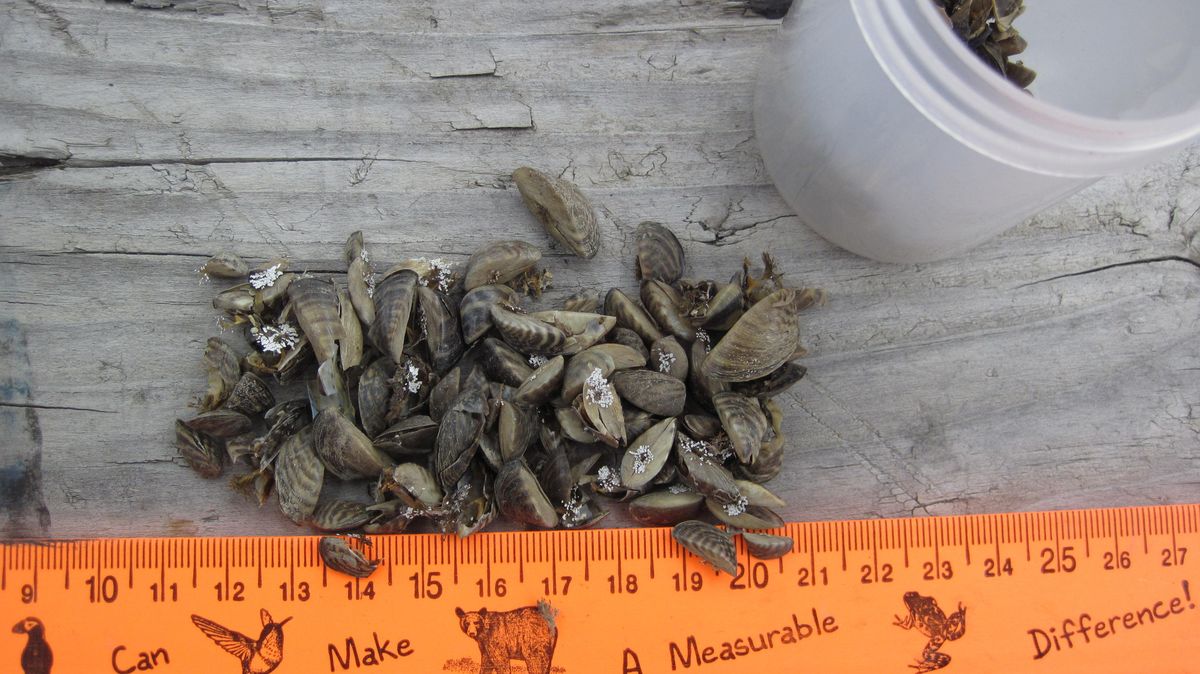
1102	590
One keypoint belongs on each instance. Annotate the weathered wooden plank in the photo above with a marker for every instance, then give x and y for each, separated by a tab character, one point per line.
1054	366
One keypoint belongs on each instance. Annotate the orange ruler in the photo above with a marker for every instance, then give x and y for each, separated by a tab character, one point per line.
1102	590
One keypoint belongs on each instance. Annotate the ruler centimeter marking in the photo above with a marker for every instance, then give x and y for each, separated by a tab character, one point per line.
945	594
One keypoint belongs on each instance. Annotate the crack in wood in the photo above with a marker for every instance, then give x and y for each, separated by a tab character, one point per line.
34	406
1115	265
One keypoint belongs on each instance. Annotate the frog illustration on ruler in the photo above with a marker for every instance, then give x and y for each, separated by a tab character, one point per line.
927	617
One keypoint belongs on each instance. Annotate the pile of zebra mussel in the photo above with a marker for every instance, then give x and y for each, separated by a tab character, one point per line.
453	401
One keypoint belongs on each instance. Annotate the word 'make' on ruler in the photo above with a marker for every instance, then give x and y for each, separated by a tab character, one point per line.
1103	590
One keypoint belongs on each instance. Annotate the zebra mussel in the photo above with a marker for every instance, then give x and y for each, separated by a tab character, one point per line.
456	394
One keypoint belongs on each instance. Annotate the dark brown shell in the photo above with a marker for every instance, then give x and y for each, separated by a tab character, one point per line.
442	337
340	515
627	337
630	314
767	546
204	454
562	209
663	304
520	497
659	255
665	508
502	363
222	423
373	394
542	384
225	265
250	396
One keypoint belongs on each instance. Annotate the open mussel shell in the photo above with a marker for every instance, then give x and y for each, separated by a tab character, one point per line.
328	389
562	209
204	454
669	357
630	314
767	546
299	475
580	367
517	428
222	423
475	309
738	514
339	556
236	300
390	517
769	461
743	421
225	265
572	425
722	310
500	262
581	510
655	392
542	384
394	298
647	455
665	507
250	396
600	408
659	255
526	334
520	497
340	515
708	543
762	339
344	449
315	304
663	304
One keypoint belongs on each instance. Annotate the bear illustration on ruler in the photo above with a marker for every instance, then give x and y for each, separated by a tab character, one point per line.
528	633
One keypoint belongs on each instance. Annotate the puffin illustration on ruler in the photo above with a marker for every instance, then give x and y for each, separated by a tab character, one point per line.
36	658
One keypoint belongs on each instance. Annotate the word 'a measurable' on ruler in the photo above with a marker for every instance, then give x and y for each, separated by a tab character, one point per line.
1102	590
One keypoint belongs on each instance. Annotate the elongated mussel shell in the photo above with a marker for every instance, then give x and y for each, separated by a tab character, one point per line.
414	435
315	303
744	423
517	427
475	310
659	255
222	423
738	513
768	463
665	507
340	515
761	340
458	436
442	335
586	301
500	262
580	367
775	383
299	475
668	356
394	297
767	546
360	278
502	363
350	346
520	497
346	452
526	334
373	394
655	392
663	304
339	556
647	454
562	209
623	357
708	543
703	471
414	485
542	384
630	314
224	371
626	337
582	330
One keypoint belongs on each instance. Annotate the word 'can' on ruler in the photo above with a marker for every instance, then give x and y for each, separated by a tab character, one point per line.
1101	590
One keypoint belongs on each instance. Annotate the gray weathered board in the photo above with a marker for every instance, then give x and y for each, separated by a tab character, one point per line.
1056	366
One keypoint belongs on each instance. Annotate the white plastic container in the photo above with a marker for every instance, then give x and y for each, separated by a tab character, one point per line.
890	138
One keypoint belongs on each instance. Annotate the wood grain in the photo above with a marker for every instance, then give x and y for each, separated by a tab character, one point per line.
1053	367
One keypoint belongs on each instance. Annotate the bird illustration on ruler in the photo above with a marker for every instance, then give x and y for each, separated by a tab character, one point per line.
258	657
36	658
